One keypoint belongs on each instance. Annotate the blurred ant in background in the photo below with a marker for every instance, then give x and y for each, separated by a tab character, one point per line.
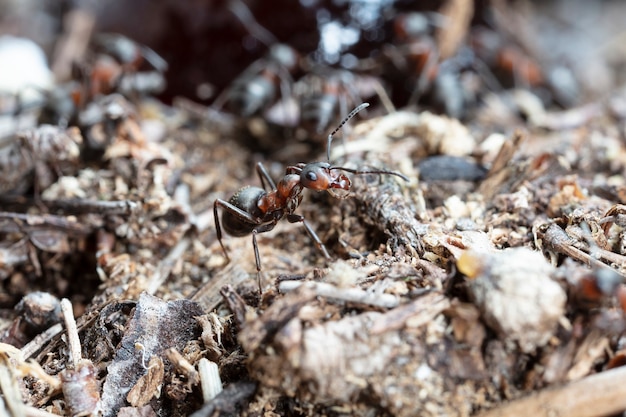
486	61
291	105
324	94
254	210
115	73
414	51
508	62
415	60
256	88
137	70
514	67
115	64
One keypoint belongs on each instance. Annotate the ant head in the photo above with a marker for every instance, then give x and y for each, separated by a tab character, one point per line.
320	176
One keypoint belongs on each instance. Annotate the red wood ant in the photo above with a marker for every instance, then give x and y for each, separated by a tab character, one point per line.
254	210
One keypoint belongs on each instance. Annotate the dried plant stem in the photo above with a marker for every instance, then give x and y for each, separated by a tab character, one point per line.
597	395
72	331
354	295
209	379
40	340
11	401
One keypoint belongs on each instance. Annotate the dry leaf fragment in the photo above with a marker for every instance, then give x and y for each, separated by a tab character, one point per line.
516	296
149	385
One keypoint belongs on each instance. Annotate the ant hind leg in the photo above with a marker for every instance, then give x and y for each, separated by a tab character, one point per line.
218	227
257	257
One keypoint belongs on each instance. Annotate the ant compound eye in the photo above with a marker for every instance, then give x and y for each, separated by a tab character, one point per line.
311	176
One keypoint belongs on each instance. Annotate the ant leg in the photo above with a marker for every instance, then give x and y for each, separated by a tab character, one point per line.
296	218
226	95
235	211
486	75
257	257
265	176
218	228
257	226
286	81
383	96
220	100
245	16
423	81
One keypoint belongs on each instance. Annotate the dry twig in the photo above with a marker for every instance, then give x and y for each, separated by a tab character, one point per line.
597	395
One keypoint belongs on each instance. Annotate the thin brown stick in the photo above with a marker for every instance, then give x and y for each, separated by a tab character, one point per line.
597	395
166	265
354	295
40	340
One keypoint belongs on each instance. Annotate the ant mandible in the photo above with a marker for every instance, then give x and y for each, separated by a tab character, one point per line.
254	210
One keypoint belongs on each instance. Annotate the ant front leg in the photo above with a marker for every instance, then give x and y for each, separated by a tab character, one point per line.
296	218
248	221
265	177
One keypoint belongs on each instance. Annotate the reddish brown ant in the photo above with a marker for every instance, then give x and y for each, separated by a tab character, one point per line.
254	210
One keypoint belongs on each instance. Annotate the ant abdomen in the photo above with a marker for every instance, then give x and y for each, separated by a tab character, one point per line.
245	199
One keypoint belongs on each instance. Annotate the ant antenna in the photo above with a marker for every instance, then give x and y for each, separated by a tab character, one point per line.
372	171
343	122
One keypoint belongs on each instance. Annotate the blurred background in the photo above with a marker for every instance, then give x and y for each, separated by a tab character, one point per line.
570	52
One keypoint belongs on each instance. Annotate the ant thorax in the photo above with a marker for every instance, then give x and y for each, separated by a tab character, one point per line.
285	198
289	188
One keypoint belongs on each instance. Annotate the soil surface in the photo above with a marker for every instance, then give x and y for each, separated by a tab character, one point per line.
192	222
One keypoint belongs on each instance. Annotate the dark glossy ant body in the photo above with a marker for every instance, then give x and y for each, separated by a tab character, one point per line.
256	88
322	94
254	210
327	92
